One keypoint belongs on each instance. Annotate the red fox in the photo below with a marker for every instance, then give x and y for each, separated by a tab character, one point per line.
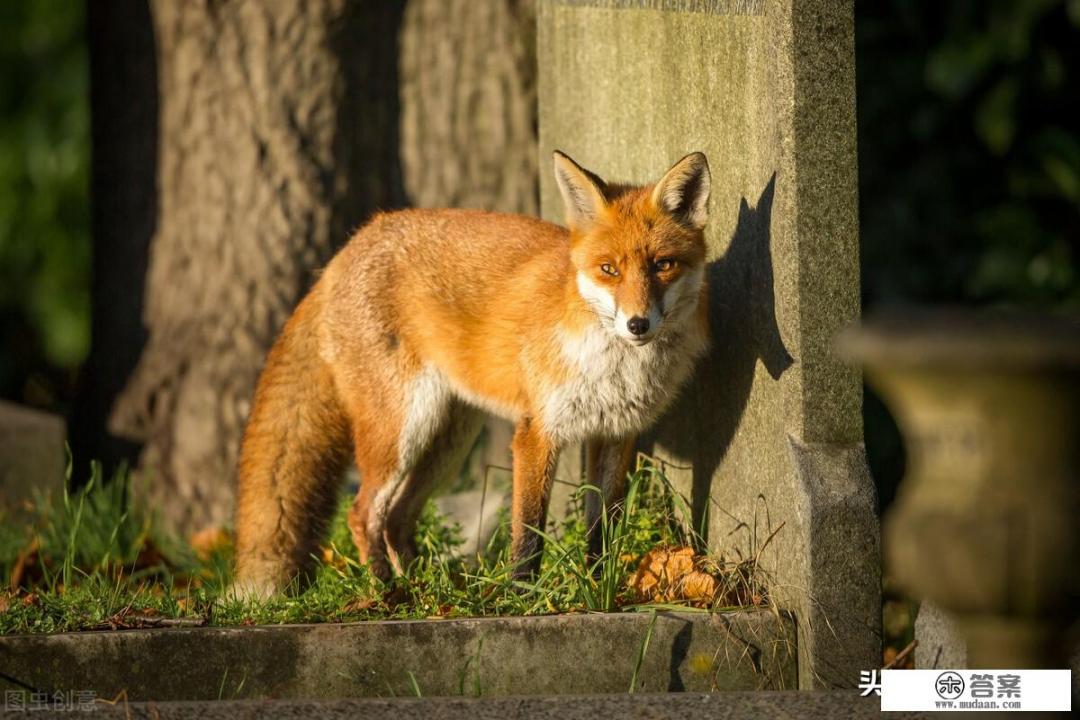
427	318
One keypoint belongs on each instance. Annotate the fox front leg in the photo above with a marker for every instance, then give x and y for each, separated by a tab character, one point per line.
607	463
535	457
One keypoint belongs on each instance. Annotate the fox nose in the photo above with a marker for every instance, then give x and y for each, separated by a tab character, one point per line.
638	325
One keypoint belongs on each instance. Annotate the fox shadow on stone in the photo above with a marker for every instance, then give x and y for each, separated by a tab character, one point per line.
699	427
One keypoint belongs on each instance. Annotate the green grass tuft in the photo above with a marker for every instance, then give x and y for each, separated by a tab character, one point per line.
95	559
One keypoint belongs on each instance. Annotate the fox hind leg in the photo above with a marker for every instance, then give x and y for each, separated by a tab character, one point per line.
442	460
365	530
387	454
376	430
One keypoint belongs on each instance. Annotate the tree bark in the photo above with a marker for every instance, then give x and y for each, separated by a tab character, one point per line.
278	135
468	104
282	126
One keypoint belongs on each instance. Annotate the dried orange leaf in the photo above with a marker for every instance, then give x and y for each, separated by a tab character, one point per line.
359	604
27	559
698	587
209	540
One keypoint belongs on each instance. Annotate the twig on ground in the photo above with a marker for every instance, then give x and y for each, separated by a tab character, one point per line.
902	655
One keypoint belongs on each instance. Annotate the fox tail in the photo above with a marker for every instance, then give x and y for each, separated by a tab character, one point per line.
294	450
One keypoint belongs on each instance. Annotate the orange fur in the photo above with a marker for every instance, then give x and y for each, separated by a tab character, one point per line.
427	317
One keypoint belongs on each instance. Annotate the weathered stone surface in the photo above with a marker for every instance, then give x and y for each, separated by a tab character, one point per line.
477	512
32	455
940	644
767	438
984	524
716	706
559	654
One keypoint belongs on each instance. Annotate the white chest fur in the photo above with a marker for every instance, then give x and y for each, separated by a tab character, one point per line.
615	389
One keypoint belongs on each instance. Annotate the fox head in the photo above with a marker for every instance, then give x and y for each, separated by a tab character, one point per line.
638	252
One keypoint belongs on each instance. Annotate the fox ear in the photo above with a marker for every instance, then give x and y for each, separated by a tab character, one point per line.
684	191
582	191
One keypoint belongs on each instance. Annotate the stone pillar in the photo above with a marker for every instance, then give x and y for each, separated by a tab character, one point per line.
32	455
767	439
940	643
984	524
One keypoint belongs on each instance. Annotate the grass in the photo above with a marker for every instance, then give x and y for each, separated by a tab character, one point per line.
95	559
642	649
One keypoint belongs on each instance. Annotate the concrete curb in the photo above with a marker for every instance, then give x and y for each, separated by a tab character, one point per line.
824	704
556	654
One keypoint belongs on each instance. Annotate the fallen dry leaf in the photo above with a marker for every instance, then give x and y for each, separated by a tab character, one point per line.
697	586
889	655
334	559
661	571
149	556
677	574
359	604
208	541
26	562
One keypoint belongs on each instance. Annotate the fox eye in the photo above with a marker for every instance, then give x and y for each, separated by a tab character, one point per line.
664	264
608	269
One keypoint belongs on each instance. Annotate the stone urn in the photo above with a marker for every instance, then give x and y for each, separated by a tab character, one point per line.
987	520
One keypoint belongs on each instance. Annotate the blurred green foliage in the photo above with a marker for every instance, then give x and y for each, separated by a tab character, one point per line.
969	151
44	204
969	164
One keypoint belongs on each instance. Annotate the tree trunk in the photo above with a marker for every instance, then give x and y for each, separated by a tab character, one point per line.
468	104
279	132
278	135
